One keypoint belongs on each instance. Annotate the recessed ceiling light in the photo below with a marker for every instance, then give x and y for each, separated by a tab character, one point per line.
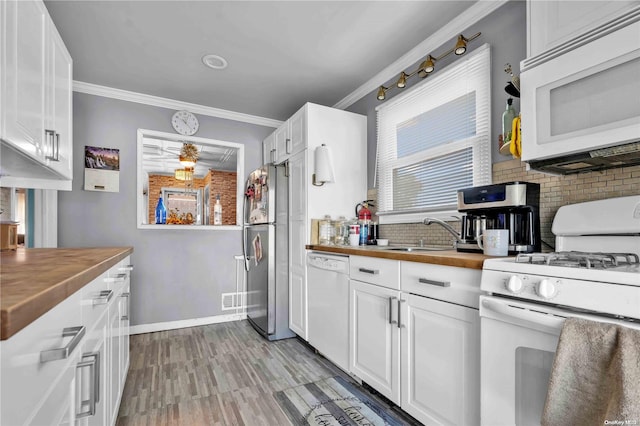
214	61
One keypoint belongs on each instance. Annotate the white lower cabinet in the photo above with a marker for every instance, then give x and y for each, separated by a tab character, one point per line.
440	361
420	352
69	366
375	340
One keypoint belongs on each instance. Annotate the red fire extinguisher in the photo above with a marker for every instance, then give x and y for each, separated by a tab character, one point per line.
364	214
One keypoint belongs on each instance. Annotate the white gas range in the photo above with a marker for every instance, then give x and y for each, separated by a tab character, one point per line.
595	274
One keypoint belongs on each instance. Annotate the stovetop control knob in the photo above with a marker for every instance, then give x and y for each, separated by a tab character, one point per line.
515	284
546	289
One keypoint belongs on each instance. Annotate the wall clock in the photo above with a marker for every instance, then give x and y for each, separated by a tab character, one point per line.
185	123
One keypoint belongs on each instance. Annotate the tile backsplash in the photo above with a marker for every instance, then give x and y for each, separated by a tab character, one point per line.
555	191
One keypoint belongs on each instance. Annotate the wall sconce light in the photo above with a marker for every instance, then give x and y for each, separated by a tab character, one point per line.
428	65
323	170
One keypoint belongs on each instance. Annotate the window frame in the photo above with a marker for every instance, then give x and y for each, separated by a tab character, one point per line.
437	87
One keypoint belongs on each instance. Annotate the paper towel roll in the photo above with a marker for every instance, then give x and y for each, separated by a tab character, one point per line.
323	167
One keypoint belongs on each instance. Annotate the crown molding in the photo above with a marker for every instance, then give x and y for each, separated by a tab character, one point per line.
141	98
479	10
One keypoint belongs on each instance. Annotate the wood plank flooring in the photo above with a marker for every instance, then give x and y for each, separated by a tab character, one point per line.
220	374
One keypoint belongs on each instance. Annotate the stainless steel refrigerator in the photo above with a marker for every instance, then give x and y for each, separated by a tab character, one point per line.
265	246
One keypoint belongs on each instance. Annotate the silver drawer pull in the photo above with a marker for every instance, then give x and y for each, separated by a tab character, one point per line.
126	317
94	385
369	271
433	282
103	299
119	277
62	353
126	268
391	320
400	302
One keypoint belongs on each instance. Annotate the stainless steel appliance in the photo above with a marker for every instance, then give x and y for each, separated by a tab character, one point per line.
594	275
265	249
513	206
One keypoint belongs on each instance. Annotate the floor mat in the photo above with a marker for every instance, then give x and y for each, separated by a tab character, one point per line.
334	401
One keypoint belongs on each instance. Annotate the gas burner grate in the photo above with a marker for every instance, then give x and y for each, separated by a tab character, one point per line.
576	259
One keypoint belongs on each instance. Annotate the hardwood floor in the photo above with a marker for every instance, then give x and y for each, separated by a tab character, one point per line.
220	374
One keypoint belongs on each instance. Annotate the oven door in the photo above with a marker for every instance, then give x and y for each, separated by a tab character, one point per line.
518	343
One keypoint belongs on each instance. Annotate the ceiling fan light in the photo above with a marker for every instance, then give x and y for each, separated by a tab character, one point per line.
381	93
461	45
402	81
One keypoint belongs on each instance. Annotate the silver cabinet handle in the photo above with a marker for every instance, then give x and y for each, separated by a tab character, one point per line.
433	282
103	299
126	268
369	271
125	317
400	302
273	155
288	144
119	277
49	136
94	367
62	353
56	155
391	320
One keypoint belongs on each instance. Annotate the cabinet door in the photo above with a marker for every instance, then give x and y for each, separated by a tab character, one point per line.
298	131
551	23
374	351
23	84
440	362
283	143
297	240
97	343
58	143
125	304
269	149
114	354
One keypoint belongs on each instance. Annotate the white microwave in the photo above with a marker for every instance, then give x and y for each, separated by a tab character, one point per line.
581	101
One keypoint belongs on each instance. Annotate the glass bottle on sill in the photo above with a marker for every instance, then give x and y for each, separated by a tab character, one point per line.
507	122
161	212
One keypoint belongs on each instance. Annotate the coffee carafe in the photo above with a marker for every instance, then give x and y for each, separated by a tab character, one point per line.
513	206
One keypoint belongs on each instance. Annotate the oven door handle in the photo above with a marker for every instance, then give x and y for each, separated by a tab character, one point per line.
538	318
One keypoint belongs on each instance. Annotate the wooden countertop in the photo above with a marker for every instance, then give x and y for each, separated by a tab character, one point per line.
32	281
439	257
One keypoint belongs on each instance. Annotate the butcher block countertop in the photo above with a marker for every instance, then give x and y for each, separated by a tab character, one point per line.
32	281
438	257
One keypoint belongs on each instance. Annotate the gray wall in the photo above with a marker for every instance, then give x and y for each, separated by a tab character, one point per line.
179	274
505	31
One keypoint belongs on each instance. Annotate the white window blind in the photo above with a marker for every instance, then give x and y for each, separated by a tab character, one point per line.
436	139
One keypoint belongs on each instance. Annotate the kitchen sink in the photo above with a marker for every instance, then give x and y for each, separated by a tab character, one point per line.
416	249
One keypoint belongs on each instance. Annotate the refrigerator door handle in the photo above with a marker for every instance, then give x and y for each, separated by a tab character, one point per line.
245	255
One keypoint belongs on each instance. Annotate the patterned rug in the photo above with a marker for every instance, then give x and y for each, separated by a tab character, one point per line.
334	401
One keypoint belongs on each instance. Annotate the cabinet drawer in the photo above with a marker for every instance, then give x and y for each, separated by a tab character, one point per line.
26	380
95	297
384	272
448	283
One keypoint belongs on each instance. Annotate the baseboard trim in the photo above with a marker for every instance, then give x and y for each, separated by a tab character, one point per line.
195	322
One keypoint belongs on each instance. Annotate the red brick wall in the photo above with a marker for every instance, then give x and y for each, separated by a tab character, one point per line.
220	182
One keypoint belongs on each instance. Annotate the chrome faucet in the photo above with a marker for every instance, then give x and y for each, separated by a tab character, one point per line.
445	225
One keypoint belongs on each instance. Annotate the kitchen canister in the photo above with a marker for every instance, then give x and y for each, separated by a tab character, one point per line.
326	231
354	234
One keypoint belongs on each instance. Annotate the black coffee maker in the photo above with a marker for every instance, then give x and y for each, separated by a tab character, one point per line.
514	206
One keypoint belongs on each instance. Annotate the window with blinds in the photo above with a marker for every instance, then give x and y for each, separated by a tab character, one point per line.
436	139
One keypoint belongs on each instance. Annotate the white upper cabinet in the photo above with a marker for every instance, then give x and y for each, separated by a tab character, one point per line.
36	102
269	149
553	23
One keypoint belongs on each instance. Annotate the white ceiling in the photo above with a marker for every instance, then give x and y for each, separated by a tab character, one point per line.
281	54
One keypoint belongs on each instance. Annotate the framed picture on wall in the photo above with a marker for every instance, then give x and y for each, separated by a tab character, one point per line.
101	169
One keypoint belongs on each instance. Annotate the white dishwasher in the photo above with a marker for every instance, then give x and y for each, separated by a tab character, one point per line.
328	306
